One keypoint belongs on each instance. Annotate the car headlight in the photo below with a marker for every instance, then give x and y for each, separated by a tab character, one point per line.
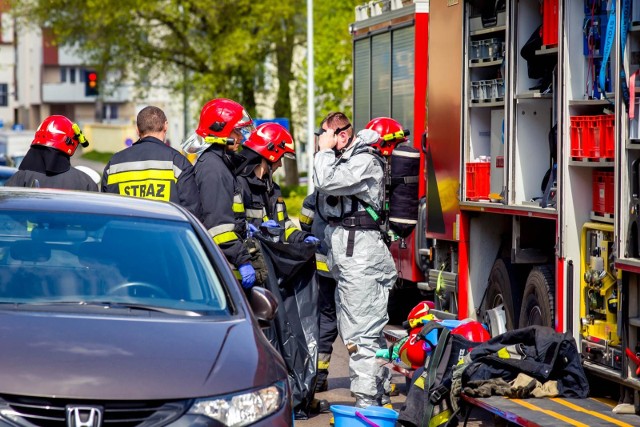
236	410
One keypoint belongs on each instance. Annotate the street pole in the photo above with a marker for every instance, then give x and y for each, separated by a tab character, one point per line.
311	116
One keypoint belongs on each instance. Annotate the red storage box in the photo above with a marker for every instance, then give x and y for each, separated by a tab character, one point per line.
478	180
602	192
550	22
580	137
593	149
607	146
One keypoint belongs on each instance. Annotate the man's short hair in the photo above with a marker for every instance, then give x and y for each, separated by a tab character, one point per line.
337	120
150	119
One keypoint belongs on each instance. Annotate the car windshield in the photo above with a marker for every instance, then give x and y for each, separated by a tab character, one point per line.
79	259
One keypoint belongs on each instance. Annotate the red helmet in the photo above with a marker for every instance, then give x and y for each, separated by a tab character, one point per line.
473	331
219	117
419	313
271	141
60	133
414	350
391	134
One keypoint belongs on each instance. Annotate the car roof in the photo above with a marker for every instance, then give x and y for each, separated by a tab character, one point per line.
87	202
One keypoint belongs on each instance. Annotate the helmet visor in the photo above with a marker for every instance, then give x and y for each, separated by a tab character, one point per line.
245	131
291	156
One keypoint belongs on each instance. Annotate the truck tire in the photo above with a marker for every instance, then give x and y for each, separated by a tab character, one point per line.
499	290
537	299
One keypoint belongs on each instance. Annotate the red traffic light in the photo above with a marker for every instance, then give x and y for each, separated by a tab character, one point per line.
91	83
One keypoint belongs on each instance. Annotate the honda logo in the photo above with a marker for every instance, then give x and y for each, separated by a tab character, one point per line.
84	416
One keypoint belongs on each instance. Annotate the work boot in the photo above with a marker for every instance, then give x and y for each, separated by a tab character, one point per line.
365	402
322	383
385	401
318	406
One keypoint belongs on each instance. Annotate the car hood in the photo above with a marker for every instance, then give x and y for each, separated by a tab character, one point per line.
131	358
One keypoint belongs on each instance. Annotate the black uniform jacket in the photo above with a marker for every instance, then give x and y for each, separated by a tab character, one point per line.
47	167
152	170
222	209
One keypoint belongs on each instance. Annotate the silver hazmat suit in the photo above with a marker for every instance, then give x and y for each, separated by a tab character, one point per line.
365	278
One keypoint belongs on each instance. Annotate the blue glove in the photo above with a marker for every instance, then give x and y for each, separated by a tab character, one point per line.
312	239
270	224
248	275
252	229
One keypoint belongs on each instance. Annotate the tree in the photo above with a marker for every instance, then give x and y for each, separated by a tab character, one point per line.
165	40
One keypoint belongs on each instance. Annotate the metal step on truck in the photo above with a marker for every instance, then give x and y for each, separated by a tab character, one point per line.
527	116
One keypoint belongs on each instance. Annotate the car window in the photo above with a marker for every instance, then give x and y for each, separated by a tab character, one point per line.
76	258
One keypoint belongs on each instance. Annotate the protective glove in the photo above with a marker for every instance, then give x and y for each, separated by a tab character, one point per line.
270	224
248	275
312	239
252	229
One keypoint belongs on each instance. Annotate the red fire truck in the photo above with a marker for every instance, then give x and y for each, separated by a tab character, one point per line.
526	113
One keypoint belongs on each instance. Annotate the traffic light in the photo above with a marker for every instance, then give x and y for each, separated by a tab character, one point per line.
90	83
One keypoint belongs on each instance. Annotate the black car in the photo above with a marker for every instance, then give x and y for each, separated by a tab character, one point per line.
123	312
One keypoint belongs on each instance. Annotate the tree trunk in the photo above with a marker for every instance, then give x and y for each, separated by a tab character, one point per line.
282	107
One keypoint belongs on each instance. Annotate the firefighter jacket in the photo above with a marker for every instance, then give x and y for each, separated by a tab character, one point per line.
311	220
223	212
537	351
73	179
263	201
152	170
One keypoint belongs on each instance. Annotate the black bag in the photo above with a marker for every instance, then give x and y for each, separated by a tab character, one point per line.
538	66
428	402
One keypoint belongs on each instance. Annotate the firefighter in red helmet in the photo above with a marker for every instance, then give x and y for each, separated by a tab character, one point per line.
391	134
223	124
48	161
262	155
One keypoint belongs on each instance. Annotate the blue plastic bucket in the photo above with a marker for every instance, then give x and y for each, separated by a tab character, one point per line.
345	416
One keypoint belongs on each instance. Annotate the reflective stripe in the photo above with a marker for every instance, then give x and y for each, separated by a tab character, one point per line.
237	274
410	154
288	232
305	219
322	266
223	233
307	213
225	237
255	213
265	218
403	220
323	365
237	206
280	216
140	175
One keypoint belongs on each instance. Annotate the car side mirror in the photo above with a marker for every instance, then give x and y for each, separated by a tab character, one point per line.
263	304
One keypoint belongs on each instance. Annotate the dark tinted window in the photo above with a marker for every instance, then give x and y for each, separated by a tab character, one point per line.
62	257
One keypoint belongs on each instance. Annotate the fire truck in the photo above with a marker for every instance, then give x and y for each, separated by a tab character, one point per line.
527	117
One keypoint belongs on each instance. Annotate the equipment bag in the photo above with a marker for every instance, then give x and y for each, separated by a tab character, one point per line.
403	189
428	402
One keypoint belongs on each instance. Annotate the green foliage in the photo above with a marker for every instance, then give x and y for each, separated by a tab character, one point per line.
97	156
293	198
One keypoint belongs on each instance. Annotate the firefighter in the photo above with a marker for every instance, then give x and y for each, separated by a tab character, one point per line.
264	206
48	161
223	124
150	169
351	174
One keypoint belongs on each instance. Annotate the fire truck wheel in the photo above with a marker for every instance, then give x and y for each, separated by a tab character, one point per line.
537	300
499	290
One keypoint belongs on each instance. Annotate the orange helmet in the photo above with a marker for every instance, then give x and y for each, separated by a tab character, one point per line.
271	141
219	117
391	134
60	133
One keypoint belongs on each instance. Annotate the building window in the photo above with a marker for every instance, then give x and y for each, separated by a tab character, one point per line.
72	75
109	112
63	75
4	94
